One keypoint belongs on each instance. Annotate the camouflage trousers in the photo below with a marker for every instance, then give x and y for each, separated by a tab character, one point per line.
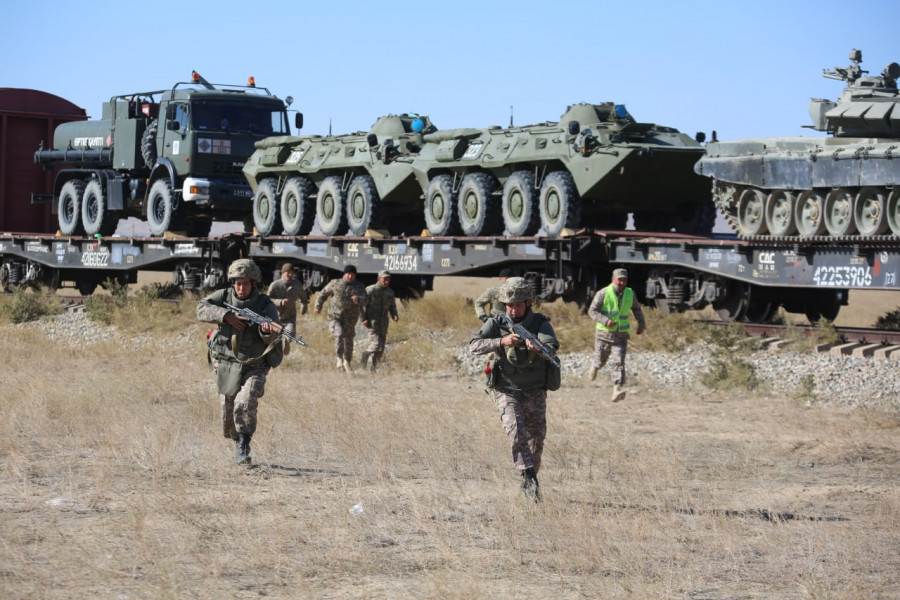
613	347
290	328
343	338
239	410
377	338
523	415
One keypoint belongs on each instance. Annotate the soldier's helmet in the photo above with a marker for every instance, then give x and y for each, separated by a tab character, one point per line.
244	268
515	289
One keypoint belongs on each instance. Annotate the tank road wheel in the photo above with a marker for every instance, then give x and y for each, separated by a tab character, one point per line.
752	212
441	216
519	203
265	208
559	203
330	209
297	214
148	143
363	205
780	213
809	214
869	212
839	213
95	210
160	207
479	213
893	211
69	208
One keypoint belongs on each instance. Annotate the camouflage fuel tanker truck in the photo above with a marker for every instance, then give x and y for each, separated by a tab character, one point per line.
171	156
590	169
839	187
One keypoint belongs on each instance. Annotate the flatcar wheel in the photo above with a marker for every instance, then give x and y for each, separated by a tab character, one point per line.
826	306
780	213
810	214
752	212
663	306
869	212
759	311
839	213
734	305
893	211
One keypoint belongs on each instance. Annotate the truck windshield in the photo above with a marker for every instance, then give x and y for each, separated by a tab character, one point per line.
238	117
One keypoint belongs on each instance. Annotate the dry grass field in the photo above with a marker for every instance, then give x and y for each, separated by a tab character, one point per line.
115	481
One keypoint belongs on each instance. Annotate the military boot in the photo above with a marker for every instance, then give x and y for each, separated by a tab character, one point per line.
530	486
348	366
243	449
340	364
364	358
618	393
592	373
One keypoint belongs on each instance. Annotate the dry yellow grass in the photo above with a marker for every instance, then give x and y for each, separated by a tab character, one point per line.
115	482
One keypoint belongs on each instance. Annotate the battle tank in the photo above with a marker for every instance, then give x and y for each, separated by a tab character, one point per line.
835	188
590	169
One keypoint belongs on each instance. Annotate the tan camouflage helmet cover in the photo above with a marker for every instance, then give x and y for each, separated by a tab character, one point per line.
515	289
244	268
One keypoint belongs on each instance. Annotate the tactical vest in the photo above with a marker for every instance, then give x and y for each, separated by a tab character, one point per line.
518	368
614	312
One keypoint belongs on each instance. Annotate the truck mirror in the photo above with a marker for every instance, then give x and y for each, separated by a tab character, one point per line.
173	125
170	112
298	120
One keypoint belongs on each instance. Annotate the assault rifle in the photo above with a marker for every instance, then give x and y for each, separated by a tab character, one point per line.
259	320
543	349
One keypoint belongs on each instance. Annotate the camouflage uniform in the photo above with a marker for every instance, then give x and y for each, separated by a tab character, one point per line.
487	305
292	290
612	344
343	313
518	383
241	377
379	310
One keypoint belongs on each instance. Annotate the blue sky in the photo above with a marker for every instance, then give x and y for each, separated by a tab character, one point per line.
745	69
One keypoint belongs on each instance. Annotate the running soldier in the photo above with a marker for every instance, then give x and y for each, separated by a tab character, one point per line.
243	352
348	297
610	309
487	305
381	305
285	293
518	379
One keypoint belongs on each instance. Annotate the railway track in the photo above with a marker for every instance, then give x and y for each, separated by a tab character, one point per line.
854	341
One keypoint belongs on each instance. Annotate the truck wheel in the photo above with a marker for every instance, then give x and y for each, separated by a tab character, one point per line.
479	213
330	209
148	143
95	210
265	208
519	202
160	207
363	205
69	209
297	214
559	202
441	216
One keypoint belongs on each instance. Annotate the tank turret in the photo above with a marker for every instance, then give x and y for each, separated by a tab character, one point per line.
843	187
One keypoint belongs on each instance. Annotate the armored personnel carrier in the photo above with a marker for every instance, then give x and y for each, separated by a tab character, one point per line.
839	187
590	169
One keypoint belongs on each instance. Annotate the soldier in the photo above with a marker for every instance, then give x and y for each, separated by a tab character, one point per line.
610	309
488	305
284	293
243	352
519	378
381	303
348	297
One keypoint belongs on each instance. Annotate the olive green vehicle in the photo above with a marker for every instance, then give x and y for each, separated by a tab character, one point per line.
590	169
839	187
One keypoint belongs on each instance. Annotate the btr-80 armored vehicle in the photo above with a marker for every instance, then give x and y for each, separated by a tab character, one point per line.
842	187
591	169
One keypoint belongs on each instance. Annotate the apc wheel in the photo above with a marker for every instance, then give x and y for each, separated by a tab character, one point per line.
265	208
751	212
810	214
479	213
297	214
95	210
160	207
559	203
441	215
893	211
330	209
869	212
148	143
363	205
780	213
69	208
519	203
839	213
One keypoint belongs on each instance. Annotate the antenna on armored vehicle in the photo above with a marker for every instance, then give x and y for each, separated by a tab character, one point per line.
329	126
510	115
